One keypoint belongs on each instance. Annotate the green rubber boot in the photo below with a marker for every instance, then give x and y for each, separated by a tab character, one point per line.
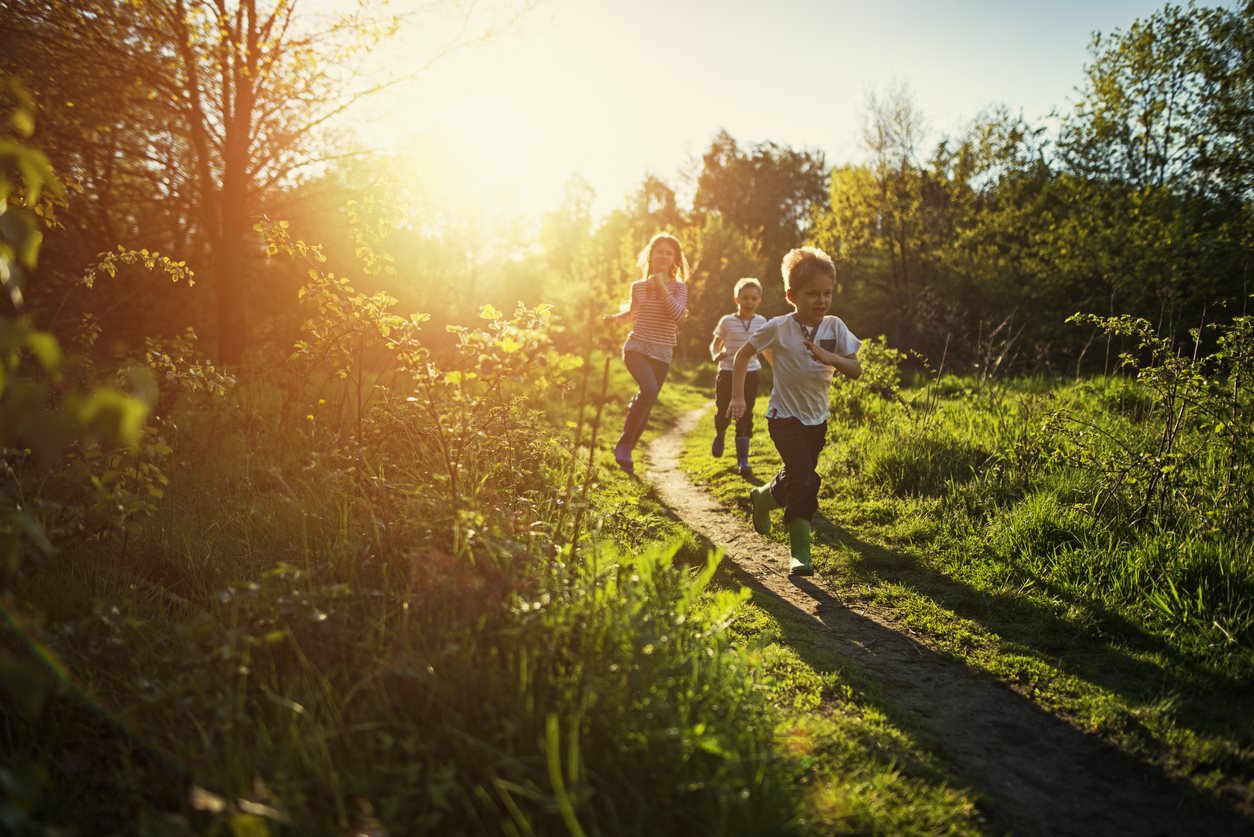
799	546
761	501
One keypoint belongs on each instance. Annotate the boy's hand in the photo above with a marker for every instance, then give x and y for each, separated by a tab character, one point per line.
735	409
820	354
719	356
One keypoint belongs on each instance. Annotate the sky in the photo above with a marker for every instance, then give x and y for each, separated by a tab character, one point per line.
617	89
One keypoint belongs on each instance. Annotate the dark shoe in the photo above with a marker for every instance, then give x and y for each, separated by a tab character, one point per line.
716	449
624	461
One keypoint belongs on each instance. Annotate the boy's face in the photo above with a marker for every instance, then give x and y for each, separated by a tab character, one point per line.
749	298
813	298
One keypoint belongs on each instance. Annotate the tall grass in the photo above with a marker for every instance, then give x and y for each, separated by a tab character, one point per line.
1071	484
378	615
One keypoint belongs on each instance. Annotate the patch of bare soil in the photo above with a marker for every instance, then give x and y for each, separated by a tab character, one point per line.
1035	773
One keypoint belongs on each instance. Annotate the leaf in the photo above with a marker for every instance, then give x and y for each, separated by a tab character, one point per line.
46	348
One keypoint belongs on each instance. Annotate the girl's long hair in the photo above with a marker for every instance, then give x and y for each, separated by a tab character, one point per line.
678	271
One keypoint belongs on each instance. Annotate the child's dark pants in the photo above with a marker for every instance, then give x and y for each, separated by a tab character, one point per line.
796	486
722	397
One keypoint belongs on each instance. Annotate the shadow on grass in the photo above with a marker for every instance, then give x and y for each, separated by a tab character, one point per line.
1204	700
1037	773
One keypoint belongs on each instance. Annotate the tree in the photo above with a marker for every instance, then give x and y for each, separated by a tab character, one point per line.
247	91
1228	65
1144	113
887	218
721	254
766	191
1158	138
103	128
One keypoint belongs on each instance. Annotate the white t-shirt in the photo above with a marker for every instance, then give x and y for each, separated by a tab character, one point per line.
734	332
801	382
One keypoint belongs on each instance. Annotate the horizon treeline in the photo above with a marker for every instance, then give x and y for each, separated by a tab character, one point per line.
179	135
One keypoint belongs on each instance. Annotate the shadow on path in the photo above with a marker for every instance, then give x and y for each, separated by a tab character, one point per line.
1037	774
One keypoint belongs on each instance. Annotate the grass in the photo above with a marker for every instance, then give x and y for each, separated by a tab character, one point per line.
300	644
311	638
967	521
858	772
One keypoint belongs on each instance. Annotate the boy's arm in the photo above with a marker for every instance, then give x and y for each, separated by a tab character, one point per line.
846	365
716	348
740	367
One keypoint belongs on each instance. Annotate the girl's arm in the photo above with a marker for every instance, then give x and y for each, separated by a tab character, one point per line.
676	301
630	313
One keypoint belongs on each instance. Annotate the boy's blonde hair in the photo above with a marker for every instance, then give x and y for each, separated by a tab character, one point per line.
745	283
803	264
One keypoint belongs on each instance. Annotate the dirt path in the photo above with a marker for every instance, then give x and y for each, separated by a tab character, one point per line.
1036	773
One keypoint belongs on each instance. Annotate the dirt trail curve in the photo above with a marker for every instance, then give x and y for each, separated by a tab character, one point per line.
1036	773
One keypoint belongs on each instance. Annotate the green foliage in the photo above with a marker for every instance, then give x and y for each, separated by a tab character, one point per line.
108	262
1188	459
721	255
40	418
966	506
879	384
1088	488
48	432
391	627
29	190
183	369
765	190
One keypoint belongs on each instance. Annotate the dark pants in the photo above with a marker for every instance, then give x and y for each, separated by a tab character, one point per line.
649	374
796	486
722	397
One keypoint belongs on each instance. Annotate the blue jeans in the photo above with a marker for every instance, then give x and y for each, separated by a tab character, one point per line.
649	374
796	486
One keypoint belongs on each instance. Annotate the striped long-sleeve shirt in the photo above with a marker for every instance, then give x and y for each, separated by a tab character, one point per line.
657	315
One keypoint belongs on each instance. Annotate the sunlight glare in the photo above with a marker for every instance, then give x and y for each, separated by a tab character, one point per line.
512	138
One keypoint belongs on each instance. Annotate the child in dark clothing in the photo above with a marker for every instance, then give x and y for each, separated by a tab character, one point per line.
808	347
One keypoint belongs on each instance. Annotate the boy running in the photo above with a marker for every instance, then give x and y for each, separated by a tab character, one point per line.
729	335
807	348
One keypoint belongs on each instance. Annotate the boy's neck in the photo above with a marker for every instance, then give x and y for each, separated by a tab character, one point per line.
745	314
805	321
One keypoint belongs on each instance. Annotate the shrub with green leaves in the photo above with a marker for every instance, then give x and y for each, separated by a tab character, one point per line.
879	384
1189	458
